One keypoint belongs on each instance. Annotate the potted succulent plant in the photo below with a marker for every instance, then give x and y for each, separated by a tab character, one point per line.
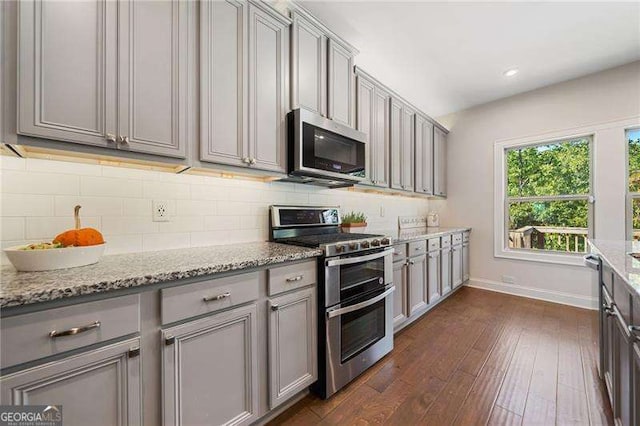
354	222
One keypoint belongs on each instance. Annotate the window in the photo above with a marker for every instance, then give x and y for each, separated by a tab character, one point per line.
633	210
546	196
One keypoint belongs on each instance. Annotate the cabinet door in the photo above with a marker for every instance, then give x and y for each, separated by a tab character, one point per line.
456	266
445	271
407	150
433	278
365	121
340	86
400	294
607	347
103	385
268	88
308	66
636	383
395	143
440	162
292	344
622	374
417	283
424	155
465	262
223	82
154	40
380	139
209	369
67	70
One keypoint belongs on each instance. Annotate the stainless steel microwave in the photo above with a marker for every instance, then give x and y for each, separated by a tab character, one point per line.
324	152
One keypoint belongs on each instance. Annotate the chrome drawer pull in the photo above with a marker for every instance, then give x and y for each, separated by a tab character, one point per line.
216	297
298	278
75	330
635	331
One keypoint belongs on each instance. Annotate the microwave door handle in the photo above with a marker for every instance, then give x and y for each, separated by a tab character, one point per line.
352	260
340	311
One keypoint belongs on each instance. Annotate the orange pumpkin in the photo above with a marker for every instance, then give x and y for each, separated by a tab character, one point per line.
80	237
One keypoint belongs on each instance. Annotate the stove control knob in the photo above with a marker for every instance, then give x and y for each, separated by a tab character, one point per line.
375	243
364	244
386	241
353	246
340	248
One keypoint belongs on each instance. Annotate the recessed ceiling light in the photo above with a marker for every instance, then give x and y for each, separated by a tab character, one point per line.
511	72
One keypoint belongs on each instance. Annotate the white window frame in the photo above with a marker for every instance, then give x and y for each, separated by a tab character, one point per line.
501	201
630	195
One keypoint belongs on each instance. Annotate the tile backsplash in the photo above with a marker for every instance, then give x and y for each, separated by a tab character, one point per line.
37	199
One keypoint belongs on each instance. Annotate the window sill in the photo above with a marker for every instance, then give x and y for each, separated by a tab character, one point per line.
553	258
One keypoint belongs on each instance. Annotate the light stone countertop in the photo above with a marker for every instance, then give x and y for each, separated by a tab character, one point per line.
415	234
139	269
616	254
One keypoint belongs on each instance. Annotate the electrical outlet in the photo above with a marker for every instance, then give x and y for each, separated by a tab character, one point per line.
160	211
508	279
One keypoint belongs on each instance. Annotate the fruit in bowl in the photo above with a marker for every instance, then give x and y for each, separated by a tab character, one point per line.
75	247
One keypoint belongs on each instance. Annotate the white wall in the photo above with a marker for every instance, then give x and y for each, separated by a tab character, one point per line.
604	97
37	199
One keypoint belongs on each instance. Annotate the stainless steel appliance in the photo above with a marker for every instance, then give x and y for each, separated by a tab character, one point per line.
323	152
355	292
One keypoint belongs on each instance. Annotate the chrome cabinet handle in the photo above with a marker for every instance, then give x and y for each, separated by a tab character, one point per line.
216	297
122	140
246	160
635	331
252	161
608	310
298	278
111	138
75	330
275	307
170	339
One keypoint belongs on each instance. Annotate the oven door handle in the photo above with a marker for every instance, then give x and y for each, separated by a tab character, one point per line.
340	311
352	260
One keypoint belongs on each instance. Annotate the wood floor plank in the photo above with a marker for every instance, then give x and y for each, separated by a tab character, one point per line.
416	405
504	417
539	411
445	408
572	406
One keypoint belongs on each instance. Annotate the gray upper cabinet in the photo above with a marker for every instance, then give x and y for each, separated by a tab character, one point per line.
268	87
102	384
372	106
110	74
408	147
293	348
439	162
402	145
223	82
424	155
395	143
308	65
209	369
340	84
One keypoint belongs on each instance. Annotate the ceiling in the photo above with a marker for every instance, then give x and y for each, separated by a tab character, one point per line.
445	57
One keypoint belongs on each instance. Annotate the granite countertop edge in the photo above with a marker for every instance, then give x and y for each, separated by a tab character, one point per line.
433	233
618	258
56	290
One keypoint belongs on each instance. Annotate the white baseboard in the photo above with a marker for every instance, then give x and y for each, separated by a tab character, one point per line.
535	293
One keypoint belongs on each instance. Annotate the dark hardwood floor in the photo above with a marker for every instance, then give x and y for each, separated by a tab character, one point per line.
478	358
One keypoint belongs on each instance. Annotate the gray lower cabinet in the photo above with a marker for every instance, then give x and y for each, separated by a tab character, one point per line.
400	303
622	373
83	73
636	382
292	344
209	370
424	155
445	270
401	142
103	385
372	118
465	262
456	266
417	283
433	276
439	162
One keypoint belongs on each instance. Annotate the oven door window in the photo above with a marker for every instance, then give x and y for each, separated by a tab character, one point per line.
325	150
360	329
362	277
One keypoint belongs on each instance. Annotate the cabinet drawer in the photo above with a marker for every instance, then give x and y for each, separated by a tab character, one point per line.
290	277
446	241
30	337
399	252
417	247
434	244
465	237
457	239
622	298
207	296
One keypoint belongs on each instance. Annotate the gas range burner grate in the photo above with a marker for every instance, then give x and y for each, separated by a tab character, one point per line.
320	239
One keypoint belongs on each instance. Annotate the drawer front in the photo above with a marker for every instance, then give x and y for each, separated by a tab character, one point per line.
190	300
457	239
434	244
40	334
417	248
290	277
622	298
465	237
446	241
399	252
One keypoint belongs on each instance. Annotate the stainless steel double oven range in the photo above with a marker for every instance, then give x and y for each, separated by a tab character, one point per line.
355	291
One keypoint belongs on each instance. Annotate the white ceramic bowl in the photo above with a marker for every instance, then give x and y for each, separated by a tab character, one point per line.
57	258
